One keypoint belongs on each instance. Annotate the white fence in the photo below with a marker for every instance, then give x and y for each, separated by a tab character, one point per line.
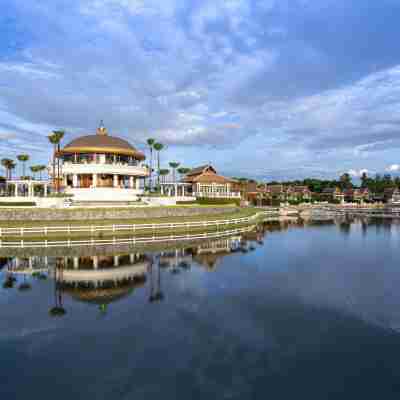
132	228
131	241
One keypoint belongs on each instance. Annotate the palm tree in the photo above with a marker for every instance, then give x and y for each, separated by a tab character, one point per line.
163	173
34	169
11	166
183	171
55	139
6	162
174	165
150	143
158	147
23	158
40	169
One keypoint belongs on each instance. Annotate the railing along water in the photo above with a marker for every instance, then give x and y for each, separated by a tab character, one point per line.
69	229
131	240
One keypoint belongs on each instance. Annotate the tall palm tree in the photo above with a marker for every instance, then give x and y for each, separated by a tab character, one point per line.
11	166
55	138
174	165
163	173
150	143
34	169
40	169
158	147
6	162
23	158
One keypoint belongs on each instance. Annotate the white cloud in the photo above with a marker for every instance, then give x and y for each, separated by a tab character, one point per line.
393	168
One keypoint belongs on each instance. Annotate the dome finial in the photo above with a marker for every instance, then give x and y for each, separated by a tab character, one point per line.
101	130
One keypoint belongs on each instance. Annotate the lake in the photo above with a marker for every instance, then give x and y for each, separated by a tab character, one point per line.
282	312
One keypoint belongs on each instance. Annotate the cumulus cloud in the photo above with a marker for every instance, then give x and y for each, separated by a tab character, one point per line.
393	168
245	82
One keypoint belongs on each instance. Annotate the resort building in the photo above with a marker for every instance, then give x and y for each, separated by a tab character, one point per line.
202	182
102	167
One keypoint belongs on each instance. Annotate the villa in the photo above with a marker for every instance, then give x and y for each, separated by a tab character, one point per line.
102	167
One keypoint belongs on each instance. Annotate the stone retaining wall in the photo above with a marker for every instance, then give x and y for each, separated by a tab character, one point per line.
90	214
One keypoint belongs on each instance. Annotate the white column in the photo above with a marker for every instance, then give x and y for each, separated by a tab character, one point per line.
176	190
16	189
137	183
74	180
116	261
131	182
76	262
162	189
94	180
45	190
132	258
115	181
95	262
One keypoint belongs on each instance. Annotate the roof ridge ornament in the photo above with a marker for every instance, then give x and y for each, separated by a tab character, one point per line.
102	130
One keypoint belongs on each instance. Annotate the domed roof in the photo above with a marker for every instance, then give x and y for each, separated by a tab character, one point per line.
102	143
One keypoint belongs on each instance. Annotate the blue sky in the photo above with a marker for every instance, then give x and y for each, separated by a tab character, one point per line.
271	89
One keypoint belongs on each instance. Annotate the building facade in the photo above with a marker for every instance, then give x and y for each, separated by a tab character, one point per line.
101	167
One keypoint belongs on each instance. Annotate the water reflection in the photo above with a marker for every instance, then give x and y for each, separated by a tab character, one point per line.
278	310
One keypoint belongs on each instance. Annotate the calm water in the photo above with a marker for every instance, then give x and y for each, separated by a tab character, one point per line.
305	312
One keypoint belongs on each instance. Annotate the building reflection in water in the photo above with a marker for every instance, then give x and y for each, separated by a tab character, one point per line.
102	279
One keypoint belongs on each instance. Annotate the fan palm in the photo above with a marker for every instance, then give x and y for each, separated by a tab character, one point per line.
40	169
150	143
174	165
6	163
158	147
163	173
23	158
55	138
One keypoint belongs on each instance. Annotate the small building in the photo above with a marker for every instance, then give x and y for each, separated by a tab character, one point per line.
356	195
392	195
298	193
203	182
332	194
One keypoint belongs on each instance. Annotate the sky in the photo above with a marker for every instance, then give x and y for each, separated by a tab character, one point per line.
268	89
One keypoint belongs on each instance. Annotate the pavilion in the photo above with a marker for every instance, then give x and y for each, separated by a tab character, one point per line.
101	167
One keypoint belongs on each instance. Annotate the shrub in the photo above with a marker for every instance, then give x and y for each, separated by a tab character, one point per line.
217	201
18	204
186	202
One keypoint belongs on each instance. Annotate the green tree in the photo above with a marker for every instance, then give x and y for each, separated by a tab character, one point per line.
7	164
183	171
23	158
163	174
55	139
150	143
34	169
364	180
158	148
41	168
174	165
345	181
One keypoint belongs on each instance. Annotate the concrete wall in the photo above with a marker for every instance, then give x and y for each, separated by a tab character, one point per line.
84	215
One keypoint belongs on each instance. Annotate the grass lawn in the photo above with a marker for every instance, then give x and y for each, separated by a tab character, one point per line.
246	212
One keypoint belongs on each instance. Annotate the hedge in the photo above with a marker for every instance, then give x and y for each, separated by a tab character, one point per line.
18	203
219	201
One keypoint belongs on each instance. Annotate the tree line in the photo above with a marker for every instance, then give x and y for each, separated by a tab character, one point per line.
376	184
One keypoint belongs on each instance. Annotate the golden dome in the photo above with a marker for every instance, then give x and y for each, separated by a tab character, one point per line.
102	143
